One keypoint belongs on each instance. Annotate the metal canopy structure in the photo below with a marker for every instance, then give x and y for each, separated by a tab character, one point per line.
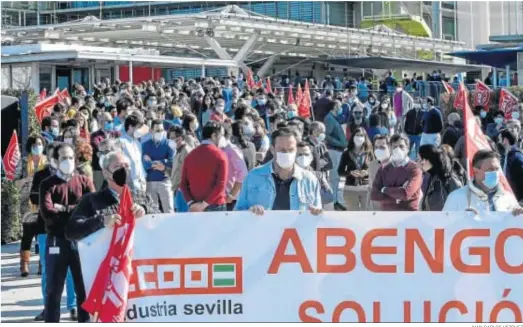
390	63
228	34
496	57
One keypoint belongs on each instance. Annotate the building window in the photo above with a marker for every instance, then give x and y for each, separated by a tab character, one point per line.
448	28
21	77
45	78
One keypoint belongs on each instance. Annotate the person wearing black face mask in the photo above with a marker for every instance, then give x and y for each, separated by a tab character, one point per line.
100	209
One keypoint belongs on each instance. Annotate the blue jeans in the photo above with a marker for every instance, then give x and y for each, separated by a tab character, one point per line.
415	140
69	285
179	202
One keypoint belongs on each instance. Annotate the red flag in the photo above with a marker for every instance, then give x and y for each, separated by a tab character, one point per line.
448	88
43	94
304	108
475	140
107	300
64	95
250	79
507	102
290	98
45	107
268	86
56	92
482	95
299	95
12	157
460	99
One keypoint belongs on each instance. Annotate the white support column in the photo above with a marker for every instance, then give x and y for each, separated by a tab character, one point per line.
131	72
92	77
222	54
35	76
247	47
495	76
266	66
507	74
203	71
53	79
116	72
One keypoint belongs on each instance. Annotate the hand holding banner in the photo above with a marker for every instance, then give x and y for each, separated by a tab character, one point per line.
107	299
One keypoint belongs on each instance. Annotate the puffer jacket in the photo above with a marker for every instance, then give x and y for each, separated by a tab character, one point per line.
471	197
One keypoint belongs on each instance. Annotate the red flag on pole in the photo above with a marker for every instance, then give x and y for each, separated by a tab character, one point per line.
268	86
64	95
448	88
508	102
43	94
299	95
290	98
460	99
482	95
250	79
304	107
12	157
107	300
44	108
475	140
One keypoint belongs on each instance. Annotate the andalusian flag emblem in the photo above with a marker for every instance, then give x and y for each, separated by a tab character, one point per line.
224	275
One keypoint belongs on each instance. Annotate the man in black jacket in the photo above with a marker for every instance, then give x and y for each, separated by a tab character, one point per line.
414	126
100	209
513	163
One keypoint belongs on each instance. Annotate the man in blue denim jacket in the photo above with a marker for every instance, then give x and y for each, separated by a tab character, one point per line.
280	184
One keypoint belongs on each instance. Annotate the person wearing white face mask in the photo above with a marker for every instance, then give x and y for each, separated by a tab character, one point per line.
484	193
135	128
41	235
157	161
397	186
204	172
218	114
322	162
59	195
354	165
304	159
382	155
281	184
236	169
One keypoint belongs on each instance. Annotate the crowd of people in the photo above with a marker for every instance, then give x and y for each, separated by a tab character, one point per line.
215	145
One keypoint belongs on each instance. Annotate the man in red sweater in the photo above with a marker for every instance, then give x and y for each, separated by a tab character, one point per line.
204	172
397	185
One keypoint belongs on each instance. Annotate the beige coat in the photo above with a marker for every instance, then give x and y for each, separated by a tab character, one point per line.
179	158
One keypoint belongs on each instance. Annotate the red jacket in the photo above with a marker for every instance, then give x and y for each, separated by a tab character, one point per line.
204	175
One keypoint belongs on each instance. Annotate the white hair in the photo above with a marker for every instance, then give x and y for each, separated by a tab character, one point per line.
109	158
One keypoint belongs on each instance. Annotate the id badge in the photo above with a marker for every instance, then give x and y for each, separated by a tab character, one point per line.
54	250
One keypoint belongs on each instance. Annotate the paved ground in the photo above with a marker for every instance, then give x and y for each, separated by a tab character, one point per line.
21	298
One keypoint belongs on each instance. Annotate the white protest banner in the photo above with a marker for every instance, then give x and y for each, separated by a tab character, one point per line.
342	266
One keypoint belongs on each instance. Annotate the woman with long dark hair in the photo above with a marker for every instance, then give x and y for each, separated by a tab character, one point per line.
206	109
441	179
354	165
190	124
247	147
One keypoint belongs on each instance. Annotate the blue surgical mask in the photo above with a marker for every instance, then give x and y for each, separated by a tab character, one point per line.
37	150
321	137
291	114
55	131
108	126
261	101
498	120
491	180
483	114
